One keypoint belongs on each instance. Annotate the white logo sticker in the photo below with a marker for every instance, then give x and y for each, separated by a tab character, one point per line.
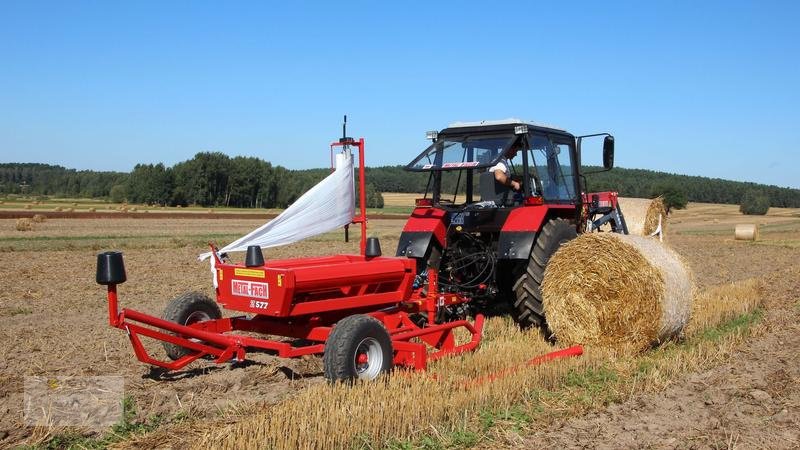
249	289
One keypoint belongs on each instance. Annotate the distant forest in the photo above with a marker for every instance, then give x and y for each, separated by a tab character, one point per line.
215	179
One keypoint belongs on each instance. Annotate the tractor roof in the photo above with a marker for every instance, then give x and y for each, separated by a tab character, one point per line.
499	125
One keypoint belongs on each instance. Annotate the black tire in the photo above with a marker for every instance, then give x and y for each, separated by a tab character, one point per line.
354	337
185	309
527	299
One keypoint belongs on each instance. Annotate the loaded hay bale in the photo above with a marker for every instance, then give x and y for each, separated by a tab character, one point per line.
619	291
24	224
39	218
746	232
642	215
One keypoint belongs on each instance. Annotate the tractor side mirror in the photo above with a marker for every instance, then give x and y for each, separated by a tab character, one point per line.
608	152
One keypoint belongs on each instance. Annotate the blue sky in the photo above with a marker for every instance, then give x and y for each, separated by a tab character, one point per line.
700	88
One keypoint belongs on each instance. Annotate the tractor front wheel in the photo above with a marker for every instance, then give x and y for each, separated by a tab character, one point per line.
528	306
186	309
359	347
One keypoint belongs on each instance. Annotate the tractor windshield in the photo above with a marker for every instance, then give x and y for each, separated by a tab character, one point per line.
462	152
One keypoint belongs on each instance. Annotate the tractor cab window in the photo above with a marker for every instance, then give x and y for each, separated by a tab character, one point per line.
551	169
462	152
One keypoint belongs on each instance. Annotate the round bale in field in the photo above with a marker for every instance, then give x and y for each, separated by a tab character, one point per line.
619	291
643	216
24	224
746	232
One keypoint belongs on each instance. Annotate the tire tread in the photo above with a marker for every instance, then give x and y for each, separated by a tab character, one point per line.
180	307
528	305
336	356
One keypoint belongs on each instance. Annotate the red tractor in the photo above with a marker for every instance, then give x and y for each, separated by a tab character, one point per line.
490	236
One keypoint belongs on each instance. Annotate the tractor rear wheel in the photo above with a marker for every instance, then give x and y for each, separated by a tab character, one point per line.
186	309
359	347
527	300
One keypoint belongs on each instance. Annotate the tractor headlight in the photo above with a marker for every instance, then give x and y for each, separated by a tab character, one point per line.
521	129
432	135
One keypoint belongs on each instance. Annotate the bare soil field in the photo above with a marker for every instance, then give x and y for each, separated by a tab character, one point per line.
53	322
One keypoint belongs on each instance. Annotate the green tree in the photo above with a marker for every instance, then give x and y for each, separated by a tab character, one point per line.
754	202
150	183
118	193
374	197
204	178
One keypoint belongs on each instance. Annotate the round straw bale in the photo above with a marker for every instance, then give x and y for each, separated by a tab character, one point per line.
613	290
655	216
24	224
39	218
642	215
746	232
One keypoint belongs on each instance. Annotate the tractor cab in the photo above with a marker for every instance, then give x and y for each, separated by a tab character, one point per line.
481	229
463	157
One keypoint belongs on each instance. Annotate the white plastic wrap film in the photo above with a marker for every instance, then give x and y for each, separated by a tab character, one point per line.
325	207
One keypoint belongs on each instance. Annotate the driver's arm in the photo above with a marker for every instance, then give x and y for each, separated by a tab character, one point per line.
502	178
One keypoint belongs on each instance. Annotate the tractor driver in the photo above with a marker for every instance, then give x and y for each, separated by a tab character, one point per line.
502	170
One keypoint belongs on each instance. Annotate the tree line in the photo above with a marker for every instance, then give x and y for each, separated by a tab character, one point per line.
210	179
215	179
647	183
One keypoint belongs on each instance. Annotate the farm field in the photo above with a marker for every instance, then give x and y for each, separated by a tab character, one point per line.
18	206
742	390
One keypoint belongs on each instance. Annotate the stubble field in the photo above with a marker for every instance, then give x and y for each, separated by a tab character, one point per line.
53	322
